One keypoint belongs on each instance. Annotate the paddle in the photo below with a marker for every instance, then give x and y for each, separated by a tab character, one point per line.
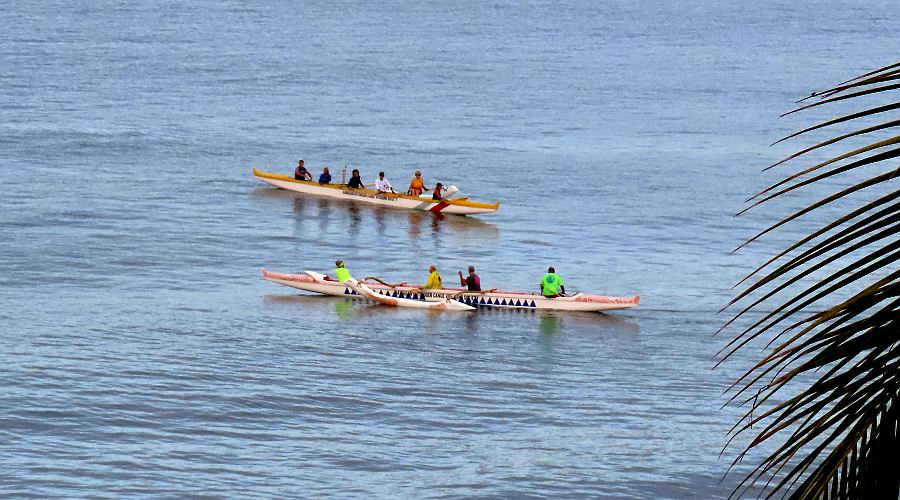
379	280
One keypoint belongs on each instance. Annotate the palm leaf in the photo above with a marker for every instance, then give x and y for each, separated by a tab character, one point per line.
836	370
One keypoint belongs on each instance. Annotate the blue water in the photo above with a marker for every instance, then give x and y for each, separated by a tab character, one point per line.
143	354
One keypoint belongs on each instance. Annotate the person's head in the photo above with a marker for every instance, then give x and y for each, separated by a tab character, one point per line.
432	268
551	269
339	263
326	170
381	175
471	269
418	174
355	173
439	185
300	163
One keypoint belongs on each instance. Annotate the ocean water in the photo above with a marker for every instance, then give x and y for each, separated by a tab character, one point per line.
143	355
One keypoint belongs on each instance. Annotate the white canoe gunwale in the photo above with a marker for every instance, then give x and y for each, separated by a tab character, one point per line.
320	283
342	192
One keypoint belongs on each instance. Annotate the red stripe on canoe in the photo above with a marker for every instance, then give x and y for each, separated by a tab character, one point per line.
440	206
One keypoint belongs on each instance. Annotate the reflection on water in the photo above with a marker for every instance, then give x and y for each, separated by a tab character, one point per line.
379	220
342	309
436	224
472	322
330	210
415	224
549	325
325	214
355	218
267	193
299	300
299	206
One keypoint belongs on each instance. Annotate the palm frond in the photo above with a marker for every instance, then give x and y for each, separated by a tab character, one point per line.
835	370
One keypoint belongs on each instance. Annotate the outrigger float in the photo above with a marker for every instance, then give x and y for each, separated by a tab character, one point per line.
320	283
448	304
459	206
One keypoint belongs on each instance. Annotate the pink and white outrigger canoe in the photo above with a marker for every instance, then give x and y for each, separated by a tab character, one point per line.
320	283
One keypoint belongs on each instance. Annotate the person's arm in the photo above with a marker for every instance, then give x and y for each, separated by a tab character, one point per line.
462	281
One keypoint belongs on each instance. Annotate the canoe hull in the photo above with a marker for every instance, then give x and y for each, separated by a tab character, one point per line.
319	283
459	207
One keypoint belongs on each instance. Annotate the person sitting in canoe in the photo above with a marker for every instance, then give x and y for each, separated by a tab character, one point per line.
437	191
383	185
325	178
341	273
417	185
434	279
472	281
552	285
355	181
300	173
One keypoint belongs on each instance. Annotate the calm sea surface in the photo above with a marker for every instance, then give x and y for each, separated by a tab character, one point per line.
142	354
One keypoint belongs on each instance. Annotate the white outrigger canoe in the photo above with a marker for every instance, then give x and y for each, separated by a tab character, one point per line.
460	206
320	283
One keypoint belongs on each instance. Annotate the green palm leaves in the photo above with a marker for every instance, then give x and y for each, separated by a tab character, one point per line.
827	392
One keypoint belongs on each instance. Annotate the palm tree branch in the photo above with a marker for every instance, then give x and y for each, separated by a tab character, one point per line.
855	152
843	237
868	112
886	155
824	201
873	128
828	227
761	325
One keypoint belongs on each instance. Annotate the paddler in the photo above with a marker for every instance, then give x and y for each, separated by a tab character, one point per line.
417	185
341	273
552	285
300	173
355	181
434	279
437	195
472	282
382	185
